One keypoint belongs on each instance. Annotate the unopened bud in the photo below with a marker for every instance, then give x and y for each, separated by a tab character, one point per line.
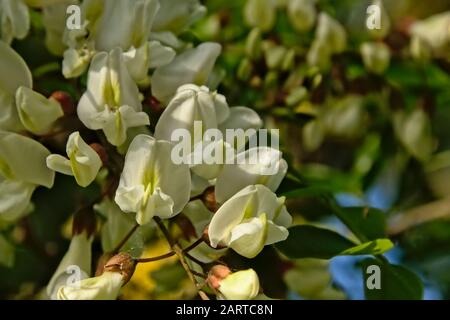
121	263
66	102
100	151
216	275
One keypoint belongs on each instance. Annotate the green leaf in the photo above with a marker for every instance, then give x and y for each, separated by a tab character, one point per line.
365	223
396	283
306	241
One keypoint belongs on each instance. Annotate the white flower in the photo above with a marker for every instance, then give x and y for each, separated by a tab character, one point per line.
177	15
260	165
376	56
54	18
192	66
302	14
14	20
83	163
251	219
151	184
14	73
241	285
36	112
111	102
76	259
118	224
24	159
104	287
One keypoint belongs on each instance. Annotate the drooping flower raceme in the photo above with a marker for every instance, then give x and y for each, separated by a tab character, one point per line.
14	74
36	112
23	159
111	102
83	163
151	184
251	219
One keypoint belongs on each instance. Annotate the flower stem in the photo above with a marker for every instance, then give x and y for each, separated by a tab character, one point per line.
152	259
193	245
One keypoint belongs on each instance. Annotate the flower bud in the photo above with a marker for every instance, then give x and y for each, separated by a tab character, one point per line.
66	102
121	263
